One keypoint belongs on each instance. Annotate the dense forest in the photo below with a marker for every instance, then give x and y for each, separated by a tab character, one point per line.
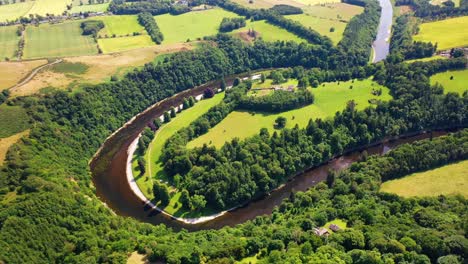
426	10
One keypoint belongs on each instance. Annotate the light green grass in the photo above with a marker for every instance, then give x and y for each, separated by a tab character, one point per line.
120	25
448	33
248	260
334	11
316	2
322	26
459	84
8	42
191	25
13	11
436	57
339	222
57	40
70	68
269	32
90	8
13	119
328	100
449	179
440	2
109	45
43	7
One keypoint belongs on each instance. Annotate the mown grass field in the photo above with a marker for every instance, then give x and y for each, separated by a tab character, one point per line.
43	7
120	25
12	72
334	11
458	84
13	11
13	119
90	8
8	42
192	25
329	99
322	26
58	40
448	33
449	179
269	32
109	45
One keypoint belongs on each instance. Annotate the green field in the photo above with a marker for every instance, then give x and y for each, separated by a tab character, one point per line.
192	25
13	119
58	40
109	45
322	26
14	11
269	32
8	42
458	84
334	11
436	57
449	179
340	223
120	25
44	7
89	8
440	2
448	33
329	99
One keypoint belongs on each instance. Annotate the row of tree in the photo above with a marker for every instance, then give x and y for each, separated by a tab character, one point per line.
147	21
229	24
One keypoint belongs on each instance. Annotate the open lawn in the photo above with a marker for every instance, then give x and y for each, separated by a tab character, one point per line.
13	119
269	32
109	45
340	223
5	143
89	8
43	7
13	11
458	84
449	179
12	72
448	33
192	25
329	99
8	42
58	40
120	25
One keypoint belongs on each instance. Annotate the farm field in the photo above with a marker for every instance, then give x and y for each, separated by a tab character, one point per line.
183	119
14	11
13	72
436	57
269	32
440	2
270	3
458	84
5	143
109	45
339	11
329	99
58	40
89	8
449	179
446	33
322	26
8	42
192	25
13	119
43	7
119	25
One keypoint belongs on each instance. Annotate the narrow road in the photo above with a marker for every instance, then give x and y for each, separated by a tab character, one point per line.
34	72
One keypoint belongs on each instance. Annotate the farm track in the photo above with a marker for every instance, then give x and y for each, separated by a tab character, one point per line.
34	72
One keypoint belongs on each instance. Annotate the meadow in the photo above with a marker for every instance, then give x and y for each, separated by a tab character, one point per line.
13	72
119	25
269	32
435	57
5	143
256	4
14	11
89	8
9	42
192	25
322	26
329	98
109	45
334	11
13	119
57	40
440	2
458	84
448	33
44	7
449	179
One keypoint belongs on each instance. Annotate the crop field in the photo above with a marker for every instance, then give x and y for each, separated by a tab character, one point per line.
269	32
14	11
90	8
109	45
458	84
449	179
13	119
329	98
8	42
183	119
339	11
13	72
192	25
120	25
43	7
58	40
270	3
448	33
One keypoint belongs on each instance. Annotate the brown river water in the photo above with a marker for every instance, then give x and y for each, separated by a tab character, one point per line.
109	172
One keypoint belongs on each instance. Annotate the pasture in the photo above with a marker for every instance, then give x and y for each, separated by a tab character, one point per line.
458	84
449	179
57	40
8	42
329	98
435	57
322	26
256	4
120	25
448	33
13	72
109	45
13	119
44	7
13	11
440	2
89	8
338	11
192	25
269	32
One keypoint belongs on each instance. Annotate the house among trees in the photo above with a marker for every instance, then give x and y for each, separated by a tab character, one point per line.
334	227
321	231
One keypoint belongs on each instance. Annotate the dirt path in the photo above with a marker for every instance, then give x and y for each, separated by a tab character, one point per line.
34	72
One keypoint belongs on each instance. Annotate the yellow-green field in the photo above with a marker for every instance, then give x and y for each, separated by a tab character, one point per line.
436	57
256	4
322	26
119	25
329	99
339	222
8	42
109	45
192	25
334	11
44	7
440	2
89	8
458	84
269	32
57	40
449	179
448	33
13	11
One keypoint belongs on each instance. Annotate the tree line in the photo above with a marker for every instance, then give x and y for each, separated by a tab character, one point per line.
147	21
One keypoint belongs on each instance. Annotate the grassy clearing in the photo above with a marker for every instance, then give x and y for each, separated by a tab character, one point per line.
316	2
448	33
334	11
440	2
13	119
8	42
44	7
14	11
449	179
70	67
269	32
109	45
12	72
58	40
270	3
322	26
340	223
249	260
192	25
458	84
436	57
5	143
90	8
119	25
329	98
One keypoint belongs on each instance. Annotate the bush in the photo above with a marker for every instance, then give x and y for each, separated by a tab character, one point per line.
91	27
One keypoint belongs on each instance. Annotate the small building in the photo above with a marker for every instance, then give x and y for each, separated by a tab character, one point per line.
321	231
334	227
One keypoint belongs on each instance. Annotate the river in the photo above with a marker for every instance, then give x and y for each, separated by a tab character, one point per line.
381	45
